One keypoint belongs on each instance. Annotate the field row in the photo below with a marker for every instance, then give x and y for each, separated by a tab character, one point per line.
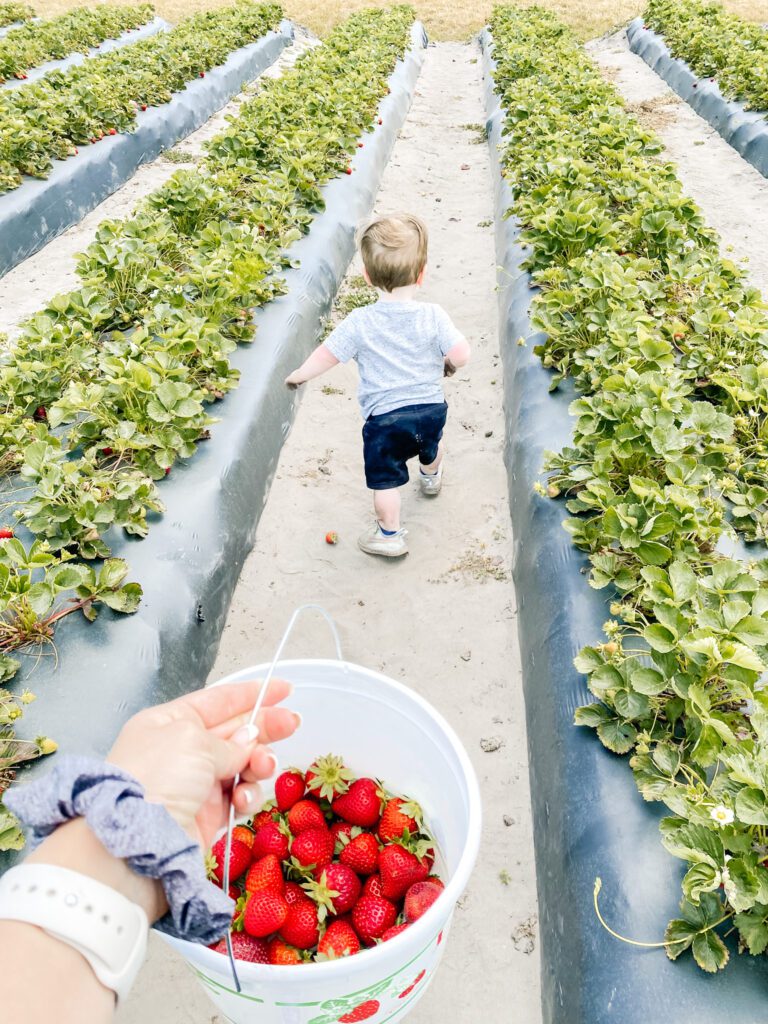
13	12
666	343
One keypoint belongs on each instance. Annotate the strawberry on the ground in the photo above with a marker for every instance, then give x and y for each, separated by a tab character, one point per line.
289	788
265	875
339	829
340	939
331	537
399	869
412	986
372	916
244	834
361	853
293	893
304	815
313	848
281	954
361	1012
270	838
394	931
372	886
335	890
361	804
245	947
265	913
301	928
420	898
327	776
239	859
399	816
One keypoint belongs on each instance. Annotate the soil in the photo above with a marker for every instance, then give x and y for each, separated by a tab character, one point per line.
443	619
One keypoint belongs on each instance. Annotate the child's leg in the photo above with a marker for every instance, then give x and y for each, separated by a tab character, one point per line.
387	507
433	467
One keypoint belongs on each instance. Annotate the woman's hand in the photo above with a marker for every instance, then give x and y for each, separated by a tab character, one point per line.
187	752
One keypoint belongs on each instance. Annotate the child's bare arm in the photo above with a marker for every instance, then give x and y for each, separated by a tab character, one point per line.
319	362
457	357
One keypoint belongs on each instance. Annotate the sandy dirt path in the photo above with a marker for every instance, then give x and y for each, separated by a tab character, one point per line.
443	620
25	289
732	194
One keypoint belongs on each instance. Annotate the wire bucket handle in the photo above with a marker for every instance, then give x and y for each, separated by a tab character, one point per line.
251	721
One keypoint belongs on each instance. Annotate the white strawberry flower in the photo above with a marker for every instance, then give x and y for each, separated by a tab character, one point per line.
721	815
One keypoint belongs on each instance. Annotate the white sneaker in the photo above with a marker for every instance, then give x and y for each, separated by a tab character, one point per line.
431	483
375	542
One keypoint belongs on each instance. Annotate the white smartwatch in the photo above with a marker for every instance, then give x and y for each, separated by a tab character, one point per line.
109	930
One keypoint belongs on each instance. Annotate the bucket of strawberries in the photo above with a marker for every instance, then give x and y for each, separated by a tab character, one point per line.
345	882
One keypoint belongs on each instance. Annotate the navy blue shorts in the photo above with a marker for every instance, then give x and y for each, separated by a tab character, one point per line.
394	437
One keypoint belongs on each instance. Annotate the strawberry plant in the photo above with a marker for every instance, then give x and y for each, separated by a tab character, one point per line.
47	120
665	342
12	12
716	44
76	31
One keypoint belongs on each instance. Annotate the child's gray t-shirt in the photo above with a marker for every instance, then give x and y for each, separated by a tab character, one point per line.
400	350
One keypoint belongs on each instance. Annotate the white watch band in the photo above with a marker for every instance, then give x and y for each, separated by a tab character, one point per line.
106	928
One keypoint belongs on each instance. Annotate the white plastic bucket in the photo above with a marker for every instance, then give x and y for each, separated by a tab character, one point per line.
385	730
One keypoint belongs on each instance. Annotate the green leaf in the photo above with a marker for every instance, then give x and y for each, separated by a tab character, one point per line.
647	681
591	715
751	807
695	843
710	952
698	879
617	736
753	929
660	638
631	705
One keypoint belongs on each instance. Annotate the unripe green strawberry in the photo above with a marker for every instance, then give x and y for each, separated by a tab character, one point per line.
265	875
372	916
289	789
239	859
270	839
420	898
300	928
361	804
265	913
313	848
340	940
304	815
361	853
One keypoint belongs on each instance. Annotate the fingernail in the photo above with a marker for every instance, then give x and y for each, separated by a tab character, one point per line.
273	759
246	735
298	718
247	797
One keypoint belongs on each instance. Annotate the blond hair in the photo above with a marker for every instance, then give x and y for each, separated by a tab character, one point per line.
394	250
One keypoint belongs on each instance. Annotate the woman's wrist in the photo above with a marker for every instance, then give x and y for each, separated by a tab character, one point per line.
74	846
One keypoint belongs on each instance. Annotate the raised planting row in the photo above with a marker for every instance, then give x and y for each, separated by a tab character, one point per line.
665	341
716	44
78	30
10	13
47	120
132	360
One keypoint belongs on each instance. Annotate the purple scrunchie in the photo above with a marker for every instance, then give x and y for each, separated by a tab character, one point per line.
141	833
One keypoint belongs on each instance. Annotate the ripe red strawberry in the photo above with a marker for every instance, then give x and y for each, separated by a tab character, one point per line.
399	816
5	533
340	940
381	121
239	859
372	886
294	893
40	413
361	853
270	839
348	170
113	131
327	776
372	916
243	834
262	818
399	869
167	470
289	788
437	880
265	913
360	145
281	954
361	804
420	898
202	74
336	889
339	829
412	986
305	815
106	451
143	106
301	928
313	848
393	932
265	875
361	1012
245	947
331	537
